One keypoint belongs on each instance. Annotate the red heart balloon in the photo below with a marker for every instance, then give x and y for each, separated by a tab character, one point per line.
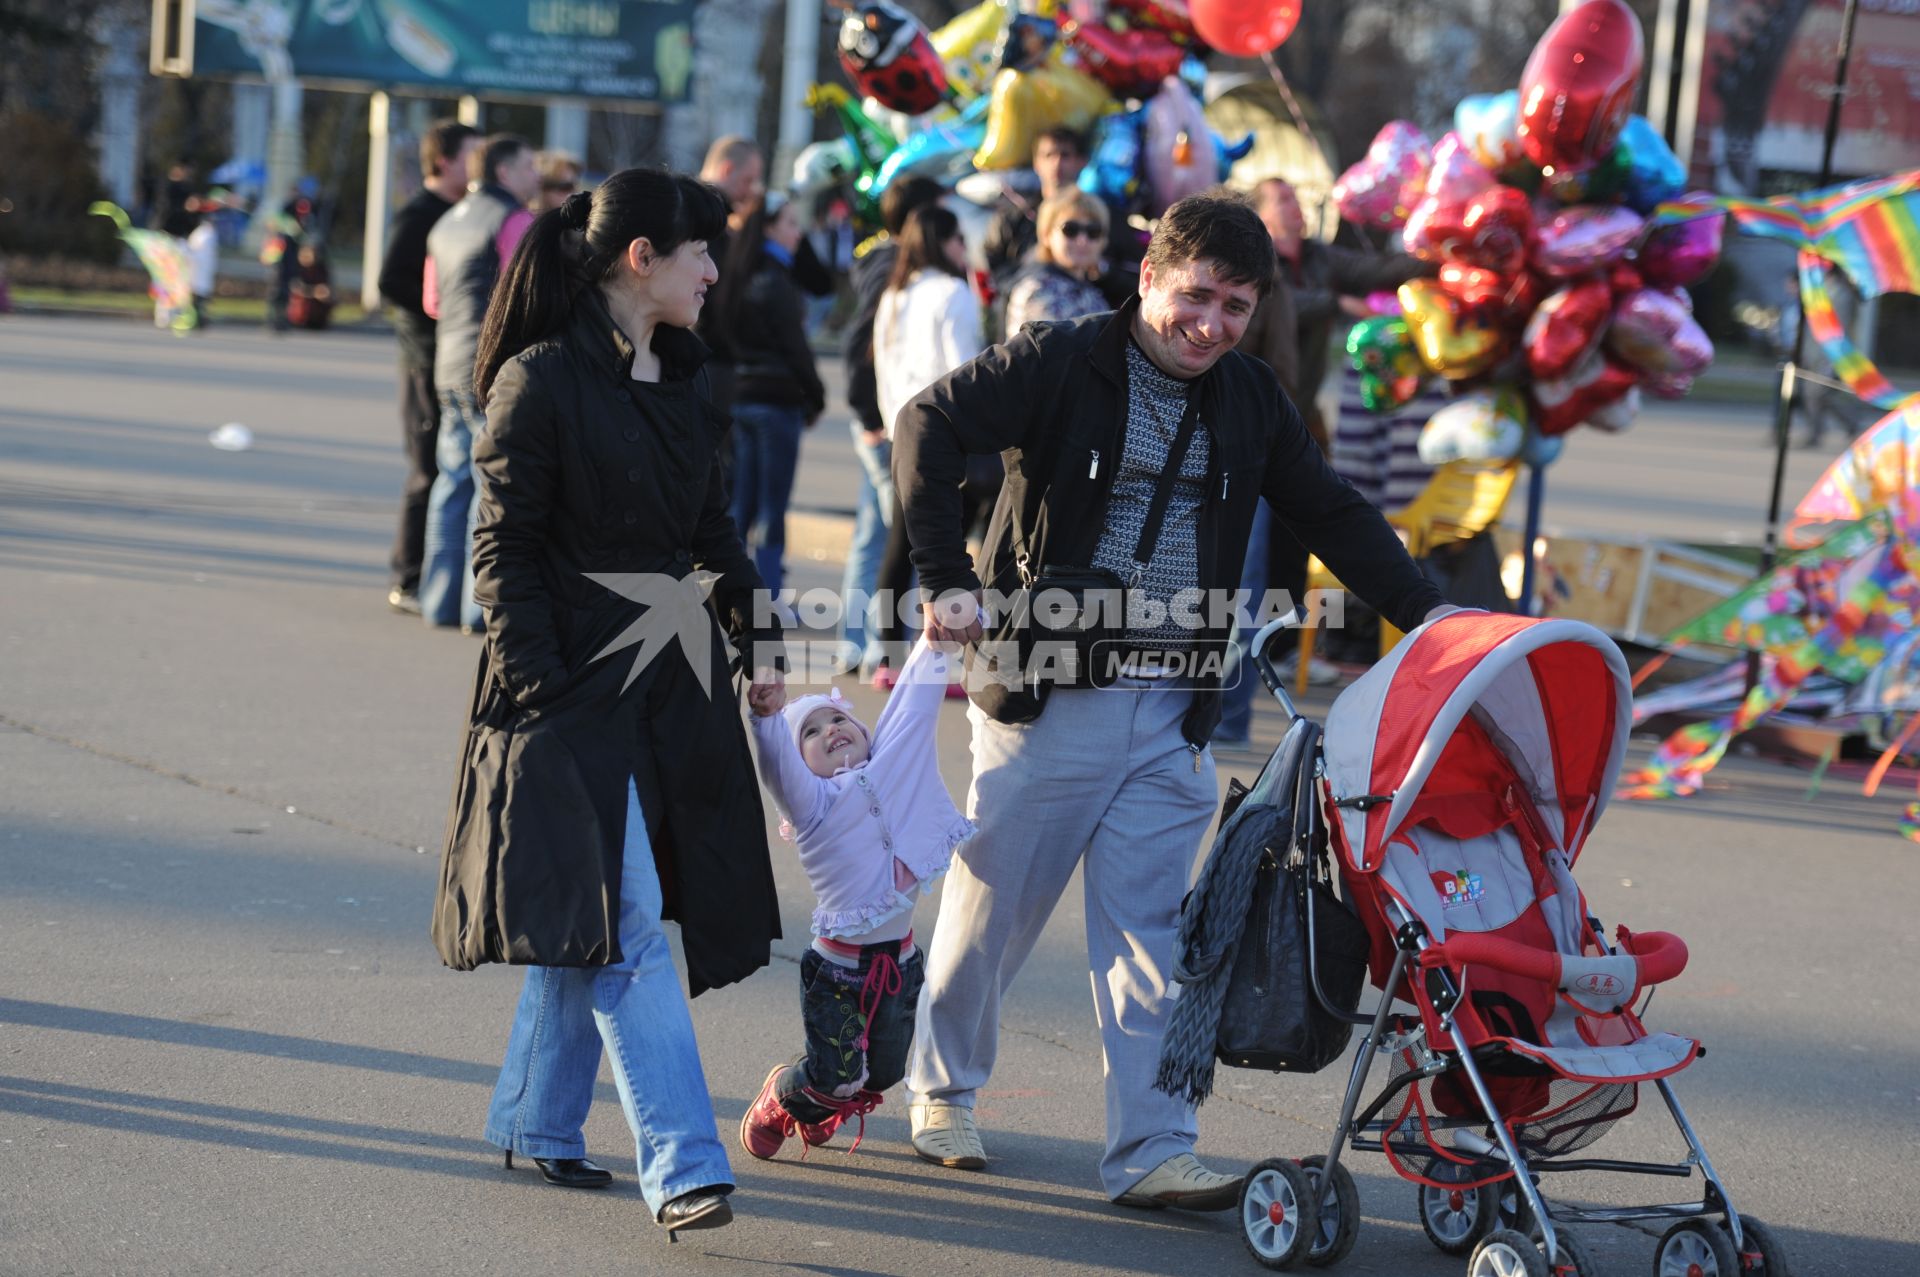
1509	299
1491	230
1578	87
1559	406
1130	63
1566	327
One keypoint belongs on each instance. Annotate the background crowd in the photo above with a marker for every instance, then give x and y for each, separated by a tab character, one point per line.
904	306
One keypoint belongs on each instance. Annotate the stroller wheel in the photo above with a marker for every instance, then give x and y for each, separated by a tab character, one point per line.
1278	1218
1514	1212
1570	1258
1695	1248
1457	1218
1505	1253
1339	1213
1758	1251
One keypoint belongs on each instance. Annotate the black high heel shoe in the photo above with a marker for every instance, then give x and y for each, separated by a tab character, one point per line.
569	1172
701	1208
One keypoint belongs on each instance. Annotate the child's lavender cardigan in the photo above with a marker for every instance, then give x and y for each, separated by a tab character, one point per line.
852	826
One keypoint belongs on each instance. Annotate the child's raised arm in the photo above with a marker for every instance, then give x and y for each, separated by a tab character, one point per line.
917	696
800	795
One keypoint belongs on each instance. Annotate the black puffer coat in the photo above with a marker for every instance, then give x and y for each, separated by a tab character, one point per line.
582	470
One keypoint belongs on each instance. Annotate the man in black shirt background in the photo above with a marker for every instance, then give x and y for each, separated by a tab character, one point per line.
443	170
1058	156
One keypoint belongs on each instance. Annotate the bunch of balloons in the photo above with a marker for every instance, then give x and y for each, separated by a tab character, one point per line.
1556	302
973	96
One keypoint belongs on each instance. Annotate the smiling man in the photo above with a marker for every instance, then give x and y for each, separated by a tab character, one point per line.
1137	443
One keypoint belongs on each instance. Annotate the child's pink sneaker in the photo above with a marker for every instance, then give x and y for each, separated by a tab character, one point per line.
858	1106
766	1124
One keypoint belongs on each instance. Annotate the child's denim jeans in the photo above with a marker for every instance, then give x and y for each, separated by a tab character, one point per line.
841	1007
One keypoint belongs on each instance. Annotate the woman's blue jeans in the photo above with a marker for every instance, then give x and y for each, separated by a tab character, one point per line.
766	443
636	1010
870	523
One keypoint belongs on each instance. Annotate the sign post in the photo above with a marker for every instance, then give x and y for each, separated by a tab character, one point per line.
379	172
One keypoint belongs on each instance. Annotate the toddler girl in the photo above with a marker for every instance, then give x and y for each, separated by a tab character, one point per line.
874	826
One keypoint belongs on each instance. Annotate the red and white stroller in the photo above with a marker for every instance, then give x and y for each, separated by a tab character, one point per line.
1460	778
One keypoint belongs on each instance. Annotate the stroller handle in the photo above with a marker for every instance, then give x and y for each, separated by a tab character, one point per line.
1264	663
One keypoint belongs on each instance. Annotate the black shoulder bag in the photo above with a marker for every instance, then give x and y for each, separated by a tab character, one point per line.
1299	935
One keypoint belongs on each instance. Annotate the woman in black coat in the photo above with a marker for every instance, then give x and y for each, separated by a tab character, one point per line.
605	783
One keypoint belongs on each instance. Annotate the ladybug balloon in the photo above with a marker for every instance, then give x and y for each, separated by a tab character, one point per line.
887	54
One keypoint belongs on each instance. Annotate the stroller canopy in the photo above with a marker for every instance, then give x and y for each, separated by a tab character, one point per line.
1463	699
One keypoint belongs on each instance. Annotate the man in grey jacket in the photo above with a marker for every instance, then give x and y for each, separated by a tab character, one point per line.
467	250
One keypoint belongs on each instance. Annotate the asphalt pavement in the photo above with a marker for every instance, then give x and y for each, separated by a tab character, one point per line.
226	1044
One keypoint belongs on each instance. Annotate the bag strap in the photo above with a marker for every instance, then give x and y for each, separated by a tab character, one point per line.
1163	489
1306	811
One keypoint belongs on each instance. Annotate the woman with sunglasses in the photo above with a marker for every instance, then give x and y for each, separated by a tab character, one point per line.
1057	281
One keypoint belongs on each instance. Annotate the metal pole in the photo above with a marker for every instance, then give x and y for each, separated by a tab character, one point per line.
379	174
1536	501
1785	397
1666	47
797	69
567	121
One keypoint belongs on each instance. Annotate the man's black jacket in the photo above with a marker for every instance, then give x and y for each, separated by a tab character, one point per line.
403	273
1053	401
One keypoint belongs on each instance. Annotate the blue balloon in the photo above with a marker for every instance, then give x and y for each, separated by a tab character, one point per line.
1193	71
1025	42
1231	153
1654	173
1113	170
1541	450
943	153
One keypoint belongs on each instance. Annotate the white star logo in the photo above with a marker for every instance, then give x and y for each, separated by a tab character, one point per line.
675	608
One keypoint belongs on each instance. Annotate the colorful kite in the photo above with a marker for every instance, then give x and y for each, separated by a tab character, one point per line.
1869	229
1872	602
1874	473
167	266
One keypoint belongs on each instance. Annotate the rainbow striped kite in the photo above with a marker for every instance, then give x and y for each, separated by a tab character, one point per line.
1869	229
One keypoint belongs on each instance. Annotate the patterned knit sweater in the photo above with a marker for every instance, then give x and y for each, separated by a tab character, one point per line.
1155	403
